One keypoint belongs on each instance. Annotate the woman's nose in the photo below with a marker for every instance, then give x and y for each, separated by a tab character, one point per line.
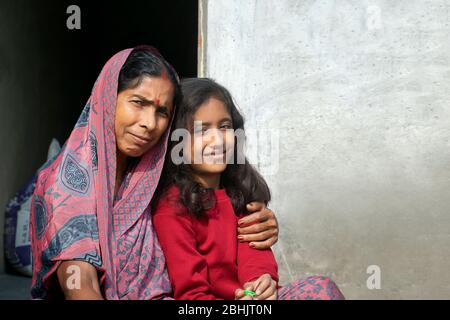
148	121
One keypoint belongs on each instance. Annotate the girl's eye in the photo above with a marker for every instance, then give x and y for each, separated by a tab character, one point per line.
200	130
226	126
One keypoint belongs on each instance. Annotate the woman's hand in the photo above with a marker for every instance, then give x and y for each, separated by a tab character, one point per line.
260	227
265	288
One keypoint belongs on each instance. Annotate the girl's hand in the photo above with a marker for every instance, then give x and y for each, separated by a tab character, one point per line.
260	227
239	293
265	288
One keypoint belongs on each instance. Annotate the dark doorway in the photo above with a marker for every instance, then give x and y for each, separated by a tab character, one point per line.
108	27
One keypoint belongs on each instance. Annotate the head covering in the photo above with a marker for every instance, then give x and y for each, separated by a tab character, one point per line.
74	215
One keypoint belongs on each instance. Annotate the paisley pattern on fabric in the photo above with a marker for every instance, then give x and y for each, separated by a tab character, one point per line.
74	176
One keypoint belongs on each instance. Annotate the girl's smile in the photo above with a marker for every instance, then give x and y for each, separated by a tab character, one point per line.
214	157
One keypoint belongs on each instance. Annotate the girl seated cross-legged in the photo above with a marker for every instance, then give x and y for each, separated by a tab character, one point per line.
205	185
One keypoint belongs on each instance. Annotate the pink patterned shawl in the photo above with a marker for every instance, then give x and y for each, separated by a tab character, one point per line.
74	215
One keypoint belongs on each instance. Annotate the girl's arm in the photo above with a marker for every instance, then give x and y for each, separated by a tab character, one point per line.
253	263
79	281
260	227
188	270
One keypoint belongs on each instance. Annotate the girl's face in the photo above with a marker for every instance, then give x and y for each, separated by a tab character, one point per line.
212	140
143	115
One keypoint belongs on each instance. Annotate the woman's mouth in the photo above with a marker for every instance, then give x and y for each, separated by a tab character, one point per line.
140	140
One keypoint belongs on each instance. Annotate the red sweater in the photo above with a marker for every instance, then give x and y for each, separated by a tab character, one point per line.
204	258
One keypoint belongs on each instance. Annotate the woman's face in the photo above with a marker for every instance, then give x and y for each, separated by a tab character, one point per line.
212	141
142	115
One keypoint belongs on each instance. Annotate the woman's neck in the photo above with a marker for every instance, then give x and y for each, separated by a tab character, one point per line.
209	180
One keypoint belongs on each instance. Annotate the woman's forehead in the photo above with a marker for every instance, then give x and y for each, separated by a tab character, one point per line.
156	89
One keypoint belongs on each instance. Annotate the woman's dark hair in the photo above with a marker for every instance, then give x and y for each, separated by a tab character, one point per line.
147	61
242	182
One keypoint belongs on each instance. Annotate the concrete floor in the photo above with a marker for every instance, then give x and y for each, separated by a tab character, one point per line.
14	287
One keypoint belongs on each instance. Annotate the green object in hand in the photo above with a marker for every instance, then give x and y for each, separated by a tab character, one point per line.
249	293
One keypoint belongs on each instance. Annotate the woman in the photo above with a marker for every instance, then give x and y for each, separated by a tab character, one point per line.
91	229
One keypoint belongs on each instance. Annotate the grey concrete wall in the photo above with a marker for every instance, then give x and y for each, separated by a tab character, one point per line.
359	92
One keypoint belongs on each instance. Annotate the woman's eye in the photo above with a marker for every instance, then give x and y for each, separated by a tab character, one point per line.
226	126
137	102
164	112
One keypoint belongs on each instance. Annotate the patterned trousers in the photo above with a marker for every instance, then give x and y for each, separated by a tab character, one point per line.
311	288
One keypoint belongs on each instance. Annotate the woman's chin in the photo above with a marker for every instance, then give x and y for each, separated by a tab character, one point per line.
134	152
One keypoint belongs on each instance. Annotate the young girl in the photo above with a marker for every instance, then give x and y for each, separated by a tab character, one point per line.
201	200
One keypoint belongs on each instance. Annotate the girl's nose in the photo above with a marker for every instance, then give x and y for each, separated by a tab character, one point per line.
216	136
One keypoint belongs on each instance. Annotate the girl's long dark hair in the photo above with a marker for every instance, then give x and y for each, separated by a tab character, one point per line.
242	182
